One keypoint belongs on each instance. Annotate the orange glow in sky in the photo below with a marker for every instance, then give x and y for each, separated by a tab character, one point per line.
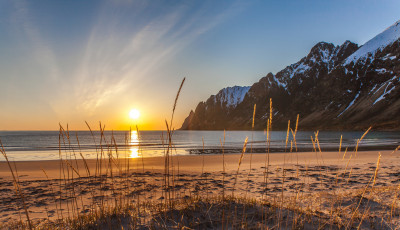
60	65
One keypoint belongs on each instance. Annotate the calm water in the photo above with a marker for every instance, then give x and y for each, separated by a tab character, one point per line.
47	145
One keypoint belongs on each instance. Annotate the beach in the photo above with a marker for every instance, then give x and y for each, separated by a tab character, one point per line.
313	179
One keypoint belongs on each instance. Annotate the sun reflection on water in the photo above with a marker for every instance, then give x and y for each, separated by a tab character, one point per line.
134	145
134	152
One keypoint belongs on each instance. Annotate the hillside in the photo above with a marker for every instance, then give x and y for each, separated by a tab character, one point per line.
344	87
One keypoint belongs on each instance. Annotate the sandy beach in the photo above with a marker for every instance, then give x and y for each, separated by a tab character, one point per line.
312	178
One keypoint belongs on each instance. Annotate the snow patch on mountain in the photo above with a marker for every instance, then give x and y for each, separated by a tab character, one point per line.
388	89
274	80
388	56
323	54
232	96
369	49
381	71
299	68
351	103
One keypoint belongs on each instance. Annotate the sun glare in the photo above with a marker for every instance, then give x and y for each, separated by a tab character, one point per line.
134	114
134	142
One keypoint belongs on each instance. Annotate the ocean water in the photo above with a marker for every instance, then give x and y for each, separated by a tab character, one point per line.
50	145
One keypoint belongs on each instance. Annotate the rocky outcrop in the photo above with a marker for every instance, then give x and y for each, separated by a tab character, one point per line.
342	87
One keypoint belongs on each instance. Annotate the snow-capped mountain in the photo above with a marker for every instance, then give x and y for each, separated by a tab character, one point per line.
218	106
333	87
380	41
231	96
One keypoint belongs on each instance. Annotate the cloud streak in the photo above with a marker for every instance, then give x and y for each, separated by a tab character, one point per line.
41	52
120	53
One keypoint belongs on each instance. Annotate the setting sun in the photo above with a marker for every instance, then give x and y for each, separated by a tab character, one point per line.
134	114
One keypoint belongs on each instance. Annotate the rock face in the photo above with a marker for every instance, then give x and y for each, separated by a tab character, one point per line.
216	110
342	87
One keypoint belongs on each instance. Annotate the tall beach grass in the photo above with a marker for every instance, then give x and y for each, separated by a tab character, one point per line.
113	194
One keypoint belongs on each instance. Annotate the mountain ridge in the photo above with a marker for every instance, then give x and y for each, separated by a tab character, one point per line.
328	91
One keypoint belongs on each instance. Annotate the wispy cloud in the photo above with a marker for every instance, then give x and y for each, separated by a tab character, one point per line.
42	53
120	52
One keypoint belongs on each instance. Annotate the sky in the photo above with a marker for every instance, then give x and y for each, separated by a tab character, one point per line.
67	62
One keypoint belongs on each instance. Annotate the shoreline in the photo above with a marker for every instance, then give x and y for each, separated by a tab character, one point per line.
228	150
193	162
257	150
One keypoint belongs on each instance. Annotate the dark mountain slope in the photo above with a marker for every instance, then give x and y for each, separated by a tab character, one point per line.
334	87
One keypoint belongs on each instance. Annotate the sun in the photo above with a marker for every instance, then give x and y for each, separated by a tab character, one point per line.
134	114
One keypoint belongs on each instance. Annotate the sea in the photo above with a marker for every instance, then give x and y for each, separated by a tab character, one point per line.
53	145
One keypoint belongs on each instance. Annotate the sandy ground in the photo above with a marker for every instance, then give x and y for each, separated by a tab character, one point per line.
313	176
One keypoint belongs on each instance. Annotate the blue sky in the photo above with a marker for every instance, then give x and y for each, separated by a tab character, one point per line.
76	61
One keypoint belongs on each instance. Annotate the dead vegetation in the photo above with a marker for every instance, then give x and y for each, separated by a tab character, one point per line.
117	195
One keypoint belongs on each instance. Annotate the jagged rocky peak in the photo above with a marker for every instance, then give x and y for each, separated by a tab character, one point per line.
265	84
322	58
273	81
326	92
301	78
345	50
230	96
379	42
329	54
321	52
268	81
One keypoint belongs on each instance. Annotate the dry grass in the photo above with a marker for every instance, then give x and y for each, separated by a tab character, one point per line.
114	197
